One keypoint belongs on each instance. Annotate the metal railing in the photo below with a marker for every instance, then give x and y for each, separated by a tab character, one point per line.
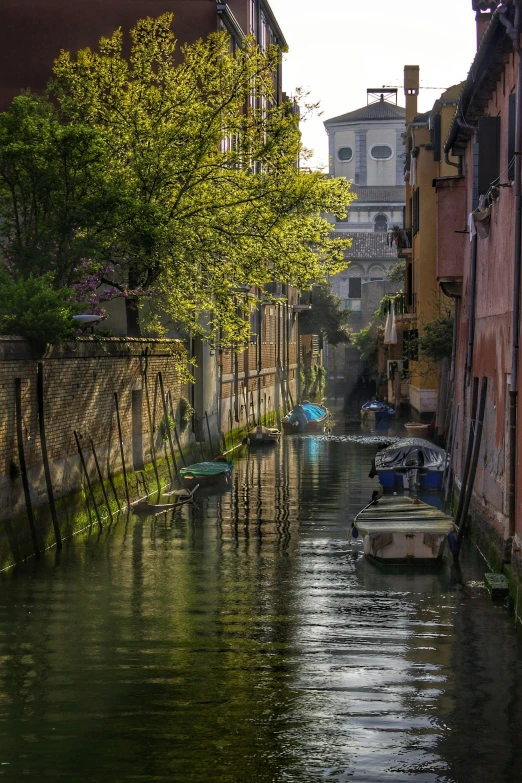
406	304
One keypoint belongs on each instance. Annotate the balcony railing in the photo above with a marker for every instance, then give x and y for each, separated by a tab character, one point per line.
406	304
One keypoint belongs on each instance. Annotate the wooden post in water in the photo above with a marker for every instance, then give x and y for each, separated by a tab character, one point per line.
167	423
120	436
474	463
89	485
209	437
469	451
176	434
451	448
45	457
201	436
151	431
23	467
100	478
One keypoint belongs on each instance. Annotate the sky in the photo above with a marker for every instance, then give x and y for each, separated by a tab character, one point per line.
338	48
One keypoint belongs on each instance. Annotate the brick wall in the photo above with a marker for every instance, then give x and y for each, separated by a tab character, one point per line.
80	380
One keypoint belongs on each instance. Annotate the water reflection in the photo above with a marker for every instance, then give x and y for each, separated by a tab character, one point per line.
246	639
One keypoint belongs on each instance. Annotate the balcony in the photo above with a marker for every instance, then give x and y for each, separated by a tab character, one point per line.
406	307
402	239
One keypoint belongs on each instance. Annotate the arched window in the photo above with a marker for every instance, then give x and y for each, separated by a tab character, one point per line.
345	154
381	152
376	273
380	223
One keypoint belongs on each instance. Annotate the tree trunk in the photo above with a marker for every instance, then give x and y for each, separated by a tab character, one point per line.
133	316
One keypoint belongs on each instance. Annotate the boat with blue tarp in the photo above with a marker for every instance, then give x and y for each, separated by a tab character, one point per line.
410	463
376	412
306	417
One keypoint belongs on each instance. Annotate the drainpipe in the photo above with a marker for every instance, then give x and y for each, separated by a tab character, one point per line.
513	390
472	297
449	162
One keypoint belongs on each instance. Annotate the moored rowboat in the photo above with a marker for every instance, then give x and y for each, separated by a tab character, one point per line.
206	472
262	435
400	530
307	417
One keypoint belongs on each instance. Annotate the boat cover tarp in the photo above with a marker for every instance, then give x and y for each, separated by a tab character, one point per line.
207	468
402	515
410	452
377	407
311	411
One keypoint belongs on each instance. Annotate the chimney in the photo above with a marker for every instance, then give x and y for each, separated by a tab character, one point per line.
411	90
483	13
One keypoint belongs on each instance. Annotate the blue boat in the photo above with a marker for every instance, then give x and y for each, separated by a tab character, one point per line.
376	412
410	461
306	417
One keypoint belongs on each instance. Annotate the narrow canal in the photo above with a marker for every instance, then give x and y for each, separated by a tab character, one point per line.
246	640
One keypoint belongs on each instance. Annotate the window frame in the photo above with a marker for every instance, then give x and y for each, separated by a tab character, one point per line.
381	144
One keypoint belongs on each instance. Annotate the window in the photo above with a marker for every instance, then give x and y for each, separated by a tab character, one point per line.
511	136
415	209
381	152
380	223
489	153
253	17
435	132
354	288
345	154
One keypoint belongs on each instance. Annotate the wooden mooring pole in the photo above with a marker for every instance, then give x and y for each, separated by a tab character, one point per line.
45	457
209	436
151	431
469	451
474	463
100	478
167	423
176	433
23	467
89	485
120	437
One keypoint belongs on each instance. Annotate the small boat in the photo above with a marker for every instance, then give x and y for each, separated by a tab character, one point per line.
409	463
417	429
307	417
375	411
259	436
207	472
184	496
399	530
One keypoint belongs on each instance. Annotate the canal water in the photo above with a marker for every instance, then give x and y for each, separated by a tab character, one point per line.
246	640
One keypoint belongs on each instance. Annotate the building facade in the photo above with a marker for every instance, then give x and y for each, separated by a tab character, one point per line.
366	147
479	263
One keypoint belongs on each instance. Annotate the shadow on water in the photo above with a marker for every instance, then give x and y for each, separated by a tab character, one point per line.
246	638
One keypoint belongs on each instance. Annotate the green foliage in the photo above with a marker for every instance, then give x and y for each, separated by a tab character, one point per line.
313	383
366	343
186	411
57	206
208	196
397	273
436	340
31	308
326	316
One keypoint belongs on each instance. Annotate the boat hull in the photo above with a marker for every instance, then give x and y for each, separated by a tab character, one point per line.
262	436
393	479
405	548
313	425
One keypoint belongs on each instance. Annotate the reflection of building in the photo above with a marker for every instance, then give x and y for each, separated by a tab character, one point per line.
366	147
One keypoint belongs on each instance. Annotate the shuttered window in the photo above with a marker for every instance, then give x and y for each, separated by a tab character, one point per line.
489	153
436	138
512	118
415	204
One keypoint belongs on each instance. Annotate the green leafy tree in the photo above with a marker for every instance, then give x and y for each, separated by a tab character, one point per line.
31	308
327	317
57	207
211	194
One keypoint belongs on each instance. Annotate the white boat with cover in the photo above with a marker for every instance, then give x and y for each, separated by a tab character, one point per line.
401	529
